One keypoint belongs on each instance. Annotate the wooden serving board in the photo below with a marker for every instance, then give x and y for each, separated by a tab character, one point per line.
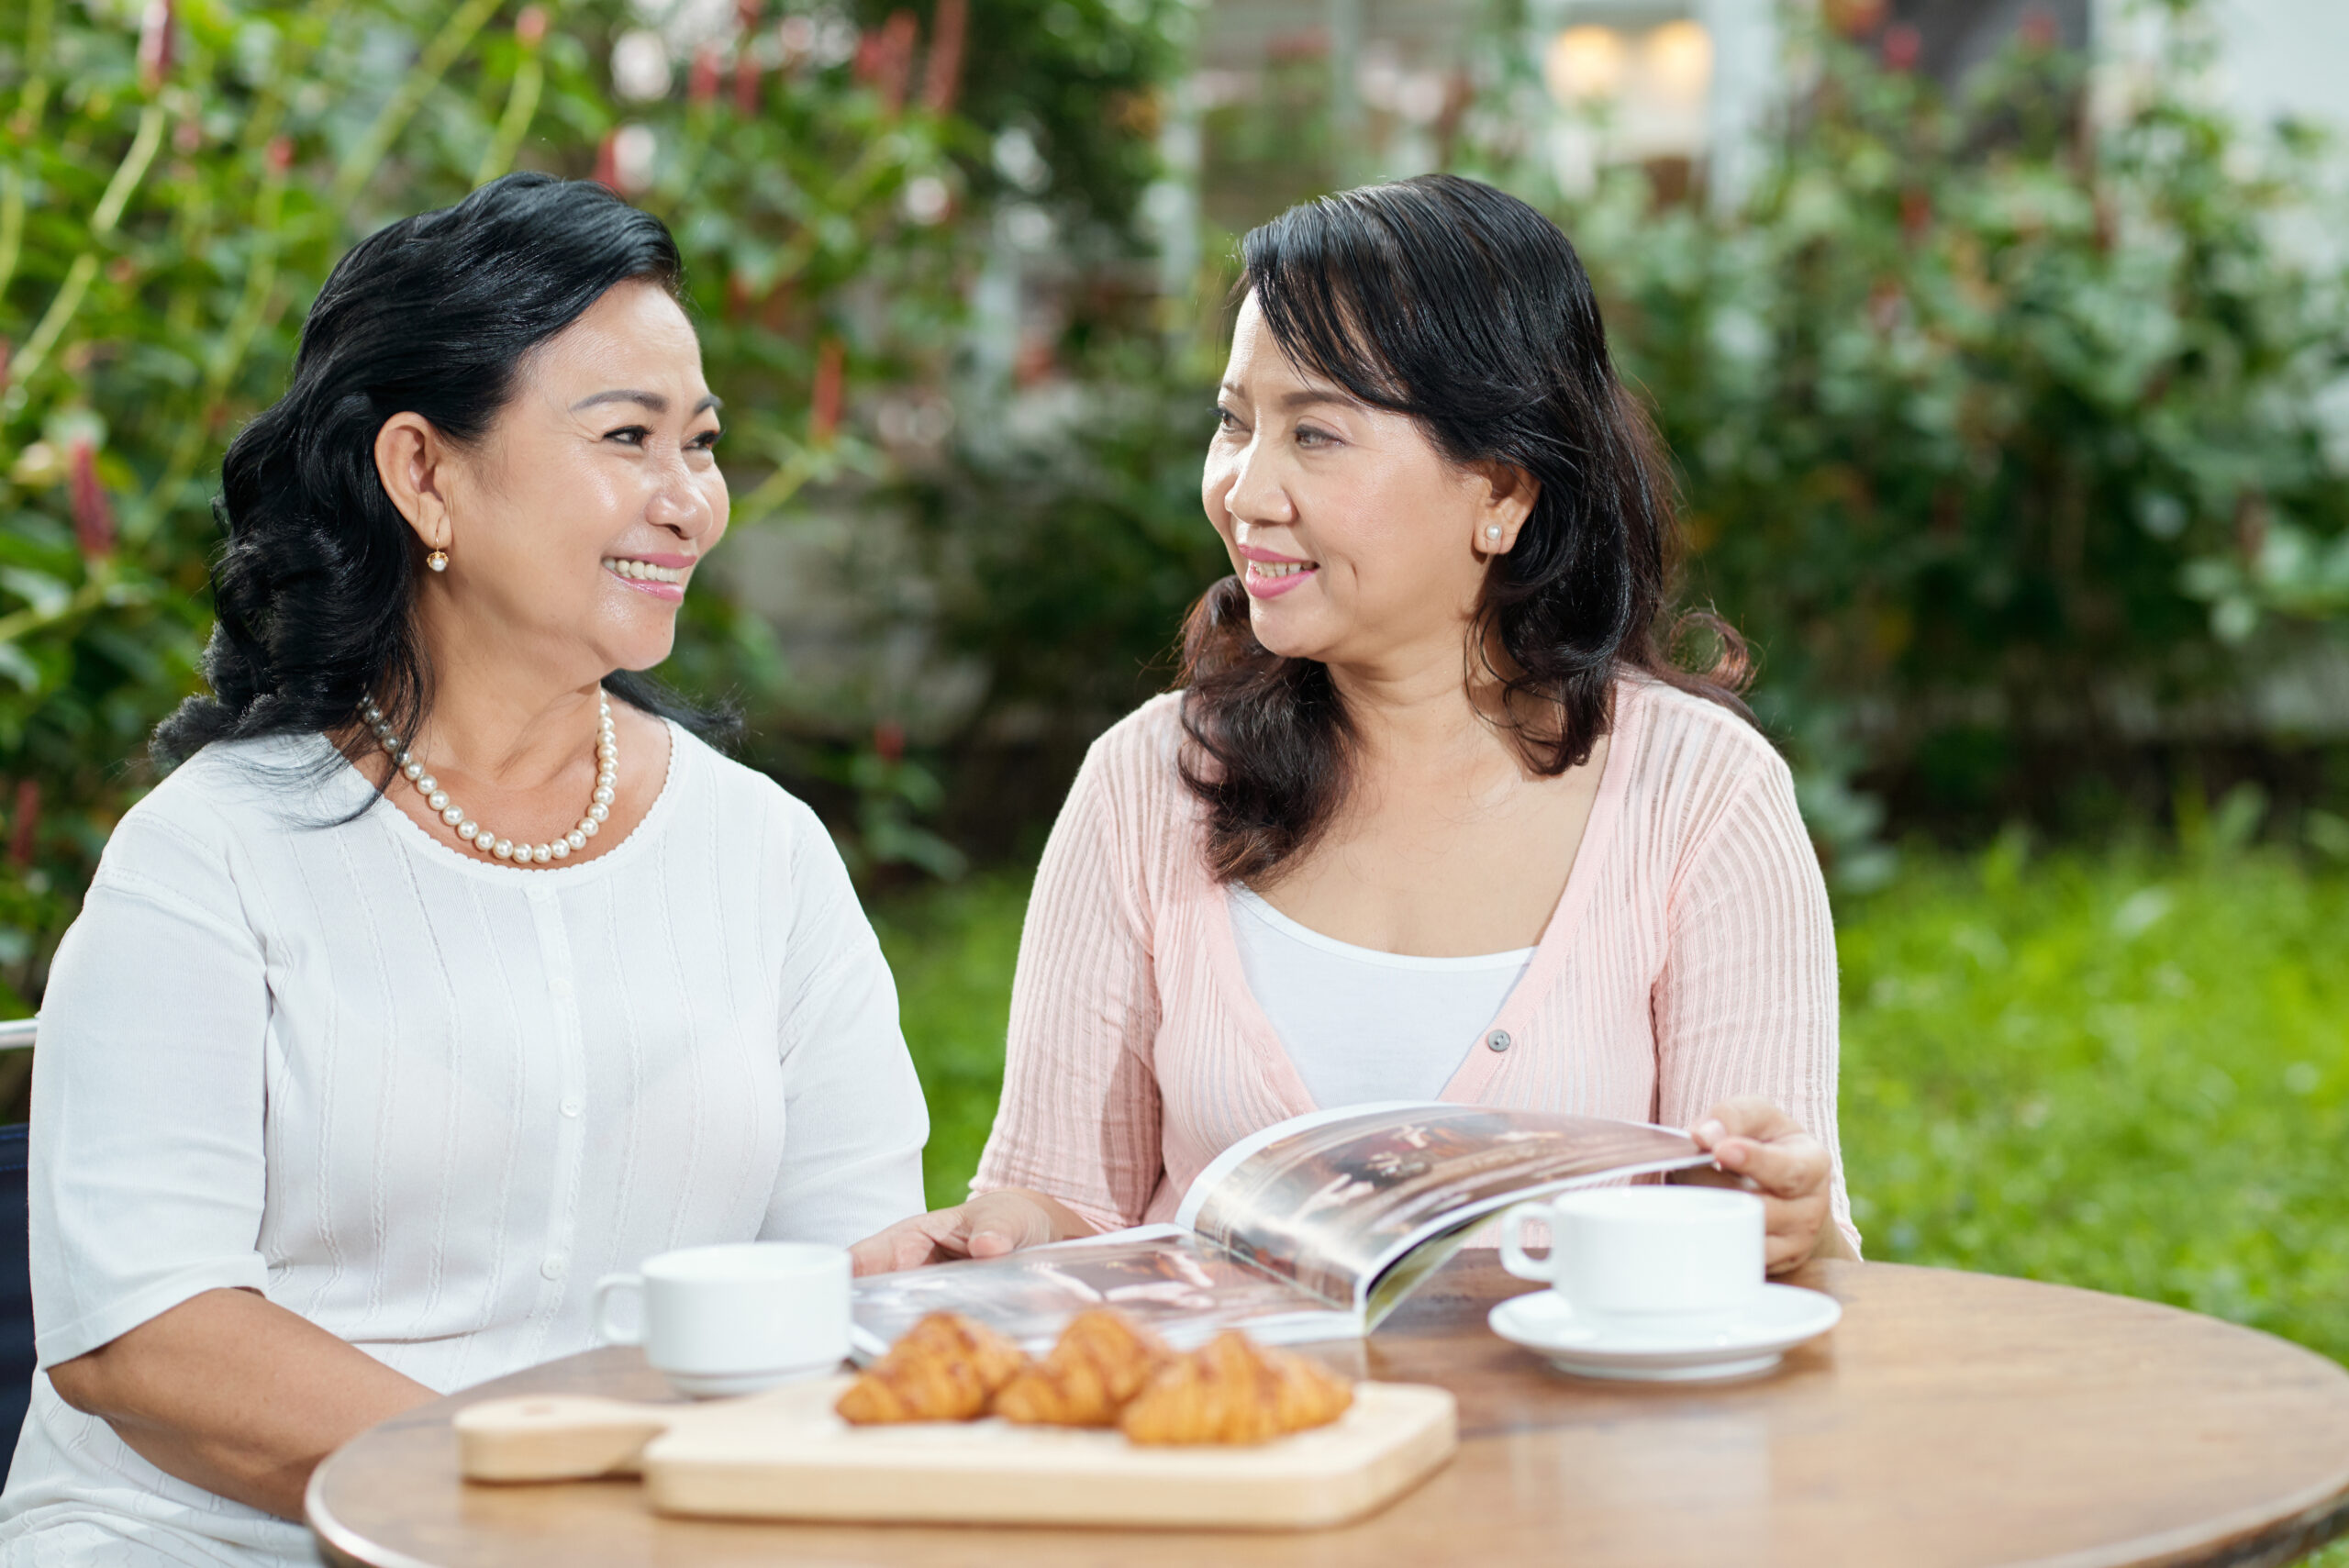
785	1455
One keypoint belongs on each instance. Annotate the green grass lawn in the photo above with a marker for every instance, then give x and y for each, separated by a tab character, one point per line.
2123	1071
953	950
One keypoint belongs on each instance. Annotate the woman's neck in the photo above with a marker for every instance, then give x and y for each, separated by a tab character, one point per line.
1435	710
509	733
1449	841
513	706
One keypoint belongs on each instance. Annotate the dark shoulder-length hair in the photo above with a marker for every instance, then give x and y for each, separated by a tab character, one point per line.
313	591
1457	305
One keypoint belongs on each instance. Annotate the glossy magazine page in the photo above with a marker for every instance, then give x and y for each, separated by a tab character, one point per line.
1186	1290
1335	1199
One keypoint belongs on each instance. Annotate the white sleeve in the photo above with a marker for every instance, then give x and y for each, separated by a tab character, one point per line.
854	1122
147	1176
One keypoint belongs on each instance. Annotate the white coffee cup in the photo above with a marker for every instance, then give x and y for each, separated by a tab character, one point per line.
1662	1256
735	1319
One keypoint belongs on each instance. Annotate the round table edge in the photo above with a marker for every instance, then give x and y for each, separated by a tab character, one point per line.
2247	1538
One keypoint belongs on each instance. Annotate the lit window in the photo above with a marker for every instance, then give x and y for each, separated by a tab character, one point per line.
1678	61
1651	87
1586	63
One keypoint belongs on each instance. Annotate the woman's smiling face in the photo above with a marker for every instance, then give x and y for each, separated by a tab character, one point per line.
574	525
1358	542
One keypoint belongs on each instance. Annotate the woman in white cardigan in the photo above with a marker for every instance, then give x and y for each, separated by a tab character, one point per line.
447	972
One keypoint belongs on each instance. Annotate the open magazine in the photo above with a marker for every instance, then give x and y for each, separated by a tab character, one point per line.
1314	1229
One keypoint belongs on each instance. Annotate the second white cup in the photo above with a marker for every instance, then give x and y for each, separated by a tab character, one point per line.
735	1319
1655	1254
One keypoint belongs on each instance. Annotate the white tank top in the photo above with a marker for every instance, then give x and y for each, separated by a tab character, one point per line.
1361	1025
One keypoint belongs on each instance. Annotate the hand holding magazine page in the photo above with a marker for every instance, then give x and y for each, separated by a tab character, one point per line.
1313	1229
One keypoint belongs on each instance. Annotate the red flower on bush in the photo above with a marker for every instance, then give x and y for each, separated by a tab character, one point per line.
944	77
1854	19
94	528
825	398
26	823
1916	212
885	59
155	28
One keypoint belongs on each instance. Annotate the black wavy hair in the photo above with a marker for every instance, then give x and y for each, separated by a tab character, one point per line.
314	590
1455	304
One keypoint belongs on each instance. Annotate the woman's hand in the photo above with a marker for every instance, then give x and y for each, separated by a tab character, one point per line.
1758	1149
987	1226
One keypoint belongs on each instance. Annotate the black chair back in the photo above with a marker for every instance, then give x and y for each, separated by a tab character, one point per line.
16	1291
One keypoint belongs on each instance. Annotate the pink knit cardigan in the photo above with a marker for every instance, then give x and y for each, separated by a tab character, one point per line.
1691	958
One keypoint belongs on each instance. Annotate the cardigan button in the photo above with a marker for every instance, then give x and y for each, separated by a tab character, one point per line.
1498	1040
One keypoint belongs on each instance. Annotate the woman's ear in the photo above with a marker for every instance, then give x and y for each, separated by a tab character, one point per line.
1504	498
413	460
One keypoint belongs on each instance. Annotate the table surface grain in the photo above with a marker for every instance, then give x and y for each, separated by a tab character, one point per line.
1953	1420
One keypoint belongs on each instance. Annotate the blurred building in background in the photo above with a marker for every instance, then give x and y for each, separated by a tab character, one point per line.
1684	86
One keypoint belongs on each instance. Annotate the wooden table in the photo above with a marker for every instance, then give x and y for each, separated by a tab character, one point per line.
1951	1420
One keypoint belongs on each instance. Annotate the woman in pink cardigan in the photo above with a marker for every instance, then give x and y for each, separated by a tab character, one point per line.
1433	816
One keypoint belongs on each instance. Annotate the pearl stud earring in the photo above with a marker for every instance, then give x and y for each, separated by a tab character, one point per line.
437	561
1492	530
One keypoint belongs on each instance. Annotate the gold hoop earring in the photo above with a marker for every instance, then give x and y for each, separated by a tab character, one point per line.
437	561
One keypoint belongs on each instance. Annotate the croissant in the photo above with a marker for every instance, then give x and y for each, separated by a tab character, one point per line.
946	1368
1235	1391
1103	1359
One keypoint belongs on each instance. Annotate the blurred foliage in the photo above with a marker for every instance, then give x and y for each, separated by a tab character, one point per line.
178	177
2007	408
2012	420
2000	424
1270	147
1083	84
1068	542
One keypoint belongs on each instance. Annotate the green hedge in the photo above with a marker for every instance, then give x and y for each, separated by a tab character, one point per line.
2002	427
177	179
2007	418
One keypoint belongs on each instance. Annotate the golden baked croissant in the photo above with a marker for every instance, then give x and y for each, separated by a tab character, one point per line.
946	1368
1103	1359
1235	1391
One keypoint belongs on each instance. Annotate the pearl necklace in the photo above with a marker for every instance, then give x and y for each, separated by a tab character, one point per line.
607	772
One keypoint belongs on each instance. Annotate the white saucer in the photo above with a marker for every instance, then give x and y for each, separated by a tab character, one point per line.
1739	1344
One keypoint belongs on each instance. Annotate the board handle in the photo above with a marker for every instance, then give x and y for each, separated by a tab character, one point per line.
556	1437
